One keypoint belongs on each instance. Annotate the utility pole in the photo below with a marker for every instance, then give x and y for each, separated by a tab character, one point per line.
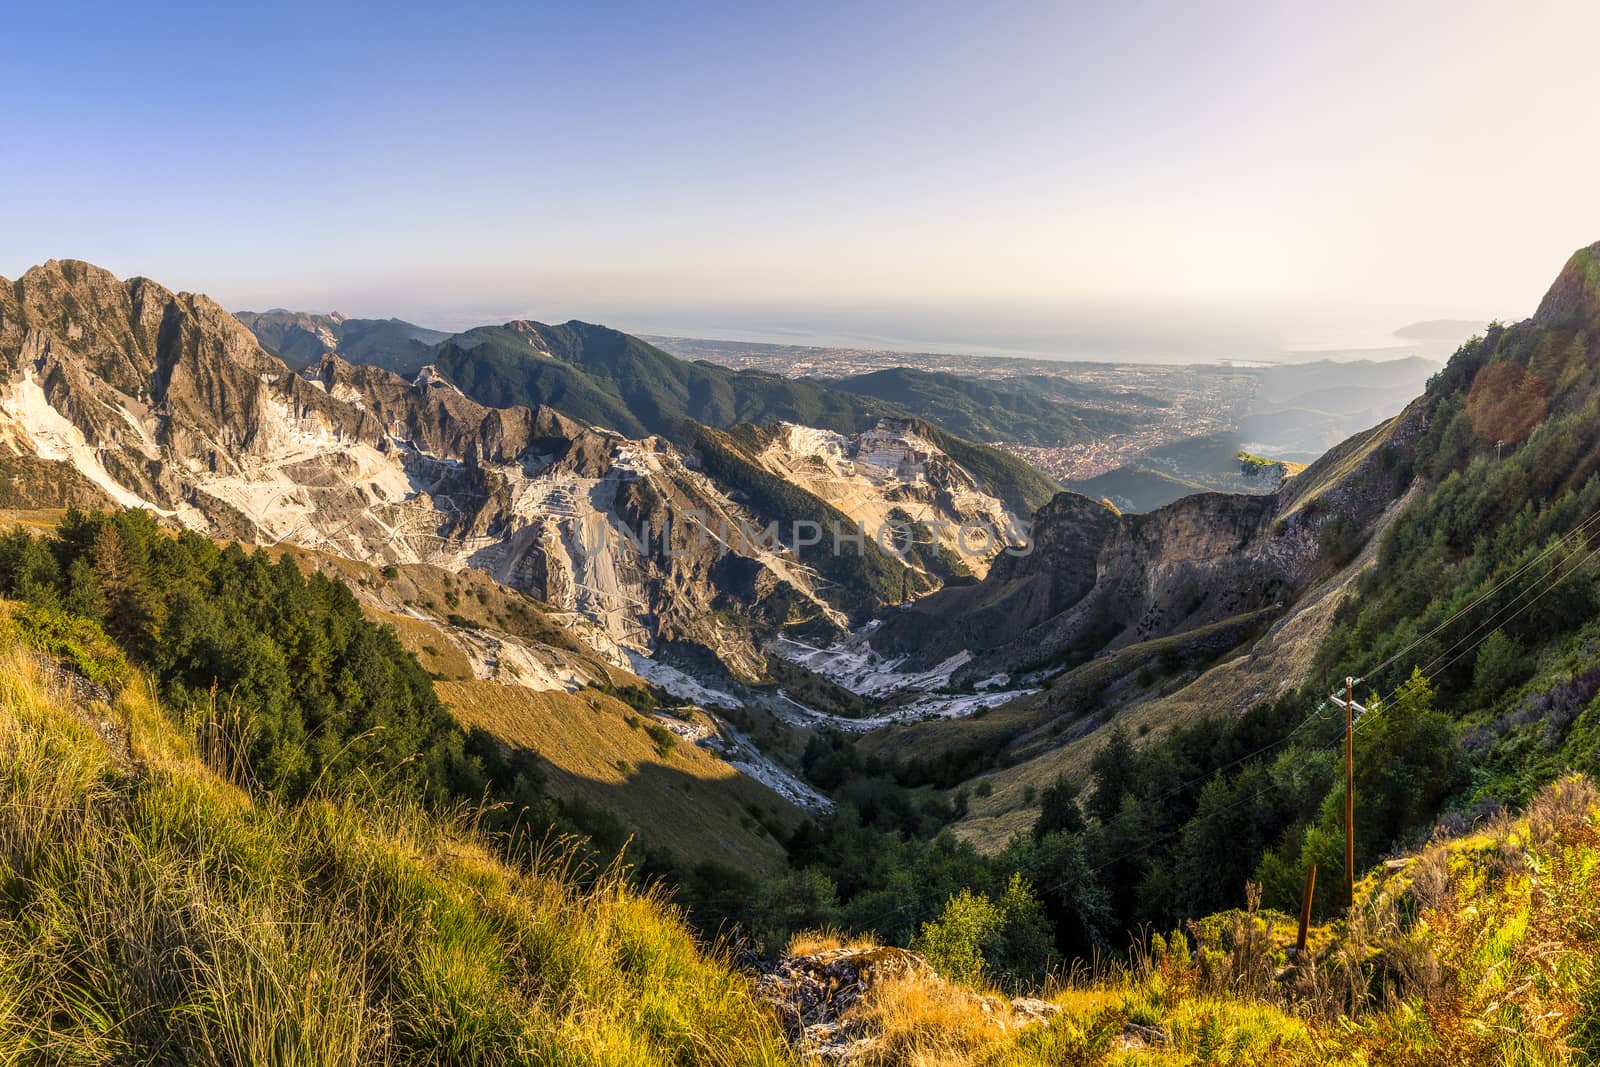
1350	785
1350	709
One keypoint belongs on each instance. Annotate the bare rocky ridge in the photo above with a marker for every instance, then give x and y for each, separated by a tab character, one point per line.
891	474
1098	580
164	400
1573	302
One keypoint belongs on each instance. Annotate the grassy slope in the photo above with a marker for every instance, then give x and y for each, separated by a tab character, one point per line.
29	483
153	913
686	801
324	934
689	803
1480	949
598	753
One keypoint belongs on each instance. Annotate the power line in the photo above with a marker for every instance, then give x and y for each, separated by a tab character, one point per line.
1549	582
1576	532
1315	716
1178	830
1542	587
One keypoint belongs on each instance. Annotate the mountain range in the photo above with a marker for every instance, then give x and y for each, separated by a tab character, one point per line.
165	401
526	565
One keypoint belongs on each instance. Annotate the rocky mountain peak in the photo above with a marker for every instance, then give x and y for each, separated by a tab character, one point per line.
166	401
1573	302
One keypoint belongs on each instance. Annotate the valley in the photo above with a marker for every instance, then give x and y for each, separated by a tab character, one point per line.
655	643
800	535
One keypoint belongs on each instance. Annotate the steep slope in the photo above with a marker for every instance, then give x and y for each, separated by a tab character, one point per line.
615	376
1469	617
893	481
1474	949
165	401
157	912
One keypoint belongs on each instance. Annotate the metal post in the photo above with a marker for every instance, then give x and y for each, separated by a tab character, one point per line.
1305	911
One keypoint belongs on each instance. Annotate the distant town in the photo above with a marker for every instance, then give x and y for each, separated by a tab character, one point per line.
1178	401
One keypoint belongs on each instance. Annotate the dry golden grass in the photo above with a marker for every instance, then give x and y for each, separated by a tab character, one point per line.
154	913
598	752
430	642
1339	463
1484	949
923	1023
809	942
38	520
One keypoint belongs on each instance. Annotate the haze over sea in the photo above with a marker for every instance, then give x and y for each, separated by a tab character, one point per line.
1100	334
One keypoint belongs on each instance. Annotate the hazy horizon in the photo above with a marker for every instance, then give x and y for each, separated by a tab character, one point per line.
1123	335
1054	179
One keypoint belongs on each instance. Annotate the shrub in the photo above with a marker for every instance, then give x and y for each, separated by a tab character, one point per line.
664	738
976	938
954	942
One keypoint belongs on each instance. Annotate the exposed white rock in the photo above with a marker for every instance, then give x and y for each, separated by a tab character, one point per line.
853	664
51	435
888	472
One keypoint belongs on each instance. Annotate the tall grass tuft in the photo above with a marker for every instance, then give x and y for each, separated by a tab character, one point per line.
152	912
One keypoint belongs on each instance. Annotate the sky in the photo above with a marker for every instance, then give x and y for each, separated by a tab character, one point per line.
1164	177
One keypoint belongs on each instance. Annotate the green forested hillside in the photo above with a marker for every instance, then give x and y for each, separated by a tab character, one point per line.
159	908
990	411
1475	634
300	339
286	680
615	380
300	685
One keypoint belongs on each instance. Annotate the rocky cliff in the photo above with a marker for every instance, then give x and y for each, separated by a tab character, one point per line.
1096	580
164	400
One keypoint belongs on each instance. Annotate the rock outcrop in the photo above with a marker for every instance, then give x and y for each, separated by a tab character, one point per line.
1573	302
891	477
820	997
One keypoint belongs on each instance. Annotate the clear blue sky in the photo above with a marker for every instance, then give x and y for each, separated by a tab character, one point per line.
1236	167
